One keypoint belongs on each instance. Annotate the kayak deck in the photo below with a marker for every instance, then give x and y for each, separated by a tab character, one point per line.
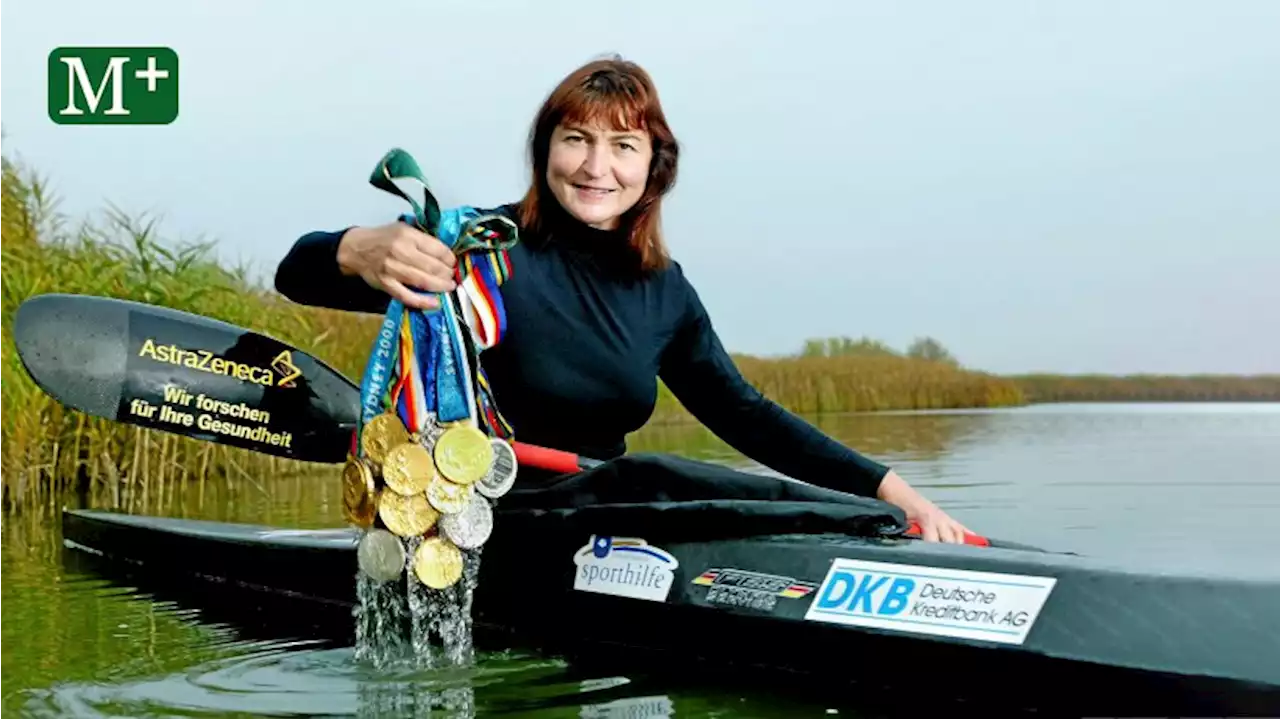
1037	628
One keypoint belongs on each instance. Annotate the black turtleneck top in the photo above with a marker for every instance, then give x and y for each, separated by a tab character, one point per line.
587	339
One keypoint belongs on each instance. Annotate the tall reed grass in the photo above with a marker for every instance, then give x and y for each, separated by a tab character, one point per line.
862	383
47	449
1150	388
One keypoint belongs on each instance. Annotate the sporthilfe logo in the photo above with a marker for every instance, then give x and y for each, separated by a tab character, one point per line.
624	567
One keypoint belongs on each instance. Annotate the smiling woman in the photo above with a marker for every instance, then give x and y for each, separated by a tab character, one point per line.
596	173
596	309
602	148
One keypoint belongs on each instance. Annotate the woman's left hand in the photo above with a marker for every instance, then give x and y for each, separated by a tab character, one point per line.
935	524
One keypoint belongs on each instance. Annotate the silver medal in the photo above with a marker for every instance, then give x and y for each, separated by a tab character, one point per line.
381	555
469	528
431	432
502	471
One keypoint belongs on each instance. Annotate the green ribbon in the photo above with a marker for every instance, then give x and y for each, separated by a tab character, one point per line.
462	229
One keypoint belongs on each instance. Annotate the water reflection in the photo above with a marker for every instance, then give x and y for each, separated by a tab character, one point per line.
293	679
286	679
886	437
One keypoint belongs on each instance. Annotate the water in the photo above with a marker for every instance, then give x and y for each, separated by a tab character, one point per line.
1195	485
438	622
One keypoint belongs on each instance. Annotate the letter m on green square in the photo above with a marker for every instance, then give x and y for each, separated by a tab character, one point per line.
113	85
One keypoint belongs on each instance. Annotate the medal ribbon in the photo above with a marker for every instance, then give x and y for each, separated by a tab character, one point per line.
434	355
410	395
490	419
482	302
376	382
450	384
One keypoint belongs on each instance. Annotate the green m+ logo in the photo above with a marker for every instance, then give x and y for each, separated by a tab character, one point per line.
113	85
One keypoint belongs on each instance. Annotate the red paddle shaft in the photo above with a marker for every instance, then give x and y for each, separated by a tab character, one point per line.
556	460
553	460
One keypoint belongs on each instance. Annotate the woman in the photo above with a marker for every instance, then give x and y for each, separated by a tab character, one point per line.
597	311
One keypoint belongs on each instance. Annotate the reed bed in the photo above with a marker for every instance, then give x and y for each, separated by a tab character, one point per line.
1150	388
862	383
47	449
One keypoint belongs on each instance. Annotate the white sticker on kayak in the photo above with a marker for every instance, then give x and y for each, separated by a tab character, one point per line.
624	567
931	600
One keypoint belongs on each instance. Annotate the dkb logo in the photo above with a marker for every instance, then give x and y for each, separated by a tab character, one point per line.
113	85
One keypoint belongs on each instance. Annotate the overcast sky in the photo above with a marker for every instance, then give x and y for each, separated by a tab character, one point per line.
1065	186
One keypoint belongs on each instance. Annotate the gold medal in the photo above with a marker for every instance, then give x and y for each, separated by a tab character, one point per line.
359	494
408	469
380	435
406	516
437	563
357	479
463	454
361	514
448	497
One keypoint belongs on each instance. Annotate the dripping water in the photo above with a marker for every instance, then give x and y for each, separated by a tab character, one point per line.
403	625
381	615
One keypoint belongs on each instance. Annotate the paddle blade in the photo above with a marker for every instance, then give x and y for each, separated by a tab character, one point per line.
178	372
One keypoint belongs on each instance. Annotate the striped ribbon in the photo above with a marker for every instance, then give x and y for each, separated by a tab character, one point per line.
426	361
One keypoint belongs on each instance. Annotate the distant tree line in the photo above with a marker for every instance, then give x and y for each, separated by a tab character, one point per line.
923	348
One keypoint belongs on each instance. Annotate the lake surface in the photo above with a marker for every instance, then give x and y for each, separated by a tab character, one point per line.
1167	484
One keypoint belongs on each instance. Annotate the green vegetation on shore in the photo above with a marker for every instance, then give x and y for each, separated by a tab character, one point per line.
1035	388
46	447
861	383
1149	388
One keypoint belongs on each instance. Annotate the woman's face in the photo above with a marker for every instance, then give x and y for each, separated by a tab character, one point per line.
598	173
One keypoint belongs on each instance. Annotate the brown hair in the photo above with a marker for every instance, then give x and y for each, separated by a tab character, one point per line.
622	93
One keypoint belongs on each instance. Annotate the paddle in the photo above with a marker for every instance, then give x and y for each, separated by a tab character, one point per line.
198	377
178	372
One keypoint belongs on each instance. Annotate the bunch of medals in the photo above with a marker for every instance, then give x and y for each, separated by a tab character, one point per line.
431	450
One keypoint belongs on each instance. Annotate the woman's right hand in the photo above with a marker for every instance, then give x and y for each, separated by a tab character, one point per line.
398	259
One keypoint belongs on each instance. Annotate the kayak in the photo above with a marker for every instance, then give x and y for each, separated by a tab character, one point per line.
797	598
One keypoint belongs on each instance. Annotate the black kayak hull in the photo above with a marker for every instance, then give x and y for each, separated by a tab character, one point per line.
1104	640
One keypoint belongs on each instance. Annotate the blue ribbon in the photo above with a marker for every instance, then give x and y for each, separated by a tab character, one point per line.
437	333
377	371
